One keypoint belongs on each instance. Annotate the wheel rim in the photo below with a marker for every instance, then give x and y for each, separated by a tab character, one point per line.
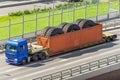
108	40
35	58
24	61
43	56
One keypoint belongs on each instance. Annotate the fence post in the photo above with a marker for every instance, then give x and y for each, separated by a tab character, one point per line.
53	14
116	58
107	61
80	70
71	72
98	63
89	67
85	10
108	16
61	76
67	13
61	14
9	25
48	17
22	26
97	10
119	7
51	77
36	23
73	12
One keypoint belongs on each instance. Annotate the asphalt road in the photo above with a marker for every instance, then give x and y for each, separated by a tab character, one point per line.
47	3
59	62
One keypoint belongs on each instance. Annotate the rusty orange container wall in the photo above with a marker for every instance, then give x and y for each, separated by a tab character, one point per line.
71	40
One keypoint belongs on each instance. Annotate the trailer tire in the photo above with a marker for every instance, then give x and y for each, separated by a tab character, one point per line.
24	61
42	56
44	31
35	58
70	28
86	23
108	39
78	21
62	25
54	31
113	37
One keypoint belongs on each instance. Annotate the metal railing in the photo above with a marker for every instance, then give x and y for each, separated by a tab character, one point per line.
82	69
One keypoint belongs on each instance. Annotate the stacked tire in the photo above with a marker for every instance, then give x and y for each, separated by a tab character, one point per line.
51	31
84	23
67	27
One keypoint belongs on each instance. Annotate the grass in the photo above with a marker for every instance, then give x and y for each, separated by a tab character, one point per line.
30	26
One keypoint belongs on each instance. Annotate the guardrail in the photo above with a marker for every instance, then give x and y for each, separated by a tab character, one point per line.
84	68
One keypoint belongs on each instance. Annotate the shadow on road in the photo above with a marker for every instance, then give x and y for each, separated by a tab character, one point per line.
79	52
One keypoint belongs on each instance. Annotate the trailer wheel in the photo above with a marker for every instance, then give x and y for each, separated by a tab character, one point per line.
70	28
54	31
62	25
113	37
24	61
78	21
86	23
108	39
35	58
44	31
42	56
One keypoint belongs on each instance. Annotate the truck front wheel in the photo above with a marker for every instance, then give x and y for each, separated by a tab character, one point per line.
24	61
43	56
108	39
35	58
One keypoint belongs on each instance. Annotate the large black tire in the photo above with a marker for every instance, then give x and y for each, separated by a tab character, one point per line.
24	61
70	28
54	31
113	37
44	31
78	21
35	58
42	56
62	25
86	23
108	39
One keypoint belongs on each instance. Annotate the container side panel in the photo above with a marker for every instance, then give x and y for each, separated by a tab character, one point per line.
75	39
43	41
71	40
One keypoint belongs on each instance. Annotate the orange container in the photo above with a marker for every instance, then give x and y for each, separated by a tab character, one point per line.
71	40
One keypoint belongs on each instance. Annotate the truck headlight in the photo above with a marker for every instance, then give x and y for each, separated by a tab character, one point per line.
15	59
6	58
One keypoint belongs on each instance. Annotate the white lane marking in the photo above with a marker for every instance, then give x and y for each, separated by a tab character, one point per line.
57	67
63	60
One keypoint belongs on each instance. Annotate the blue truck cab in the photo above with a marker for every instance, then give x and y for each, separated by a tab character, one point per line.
16	51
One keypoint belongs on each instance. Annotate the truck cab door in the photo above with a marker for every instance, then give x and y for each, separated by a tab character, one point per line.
22	52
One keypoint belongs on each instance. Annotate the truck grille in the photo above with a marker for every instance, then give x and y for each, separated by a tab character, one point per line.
10	54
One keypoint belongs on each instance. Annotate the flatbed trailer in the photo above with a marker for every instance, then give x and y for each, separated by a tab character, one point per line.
74	40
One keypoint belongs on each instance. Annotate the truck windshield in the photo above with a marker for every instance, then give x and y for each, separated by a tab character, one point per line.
11	48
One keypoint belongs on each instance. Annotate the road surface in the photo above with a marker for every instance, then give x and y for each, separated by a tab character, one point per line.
47	3
59	62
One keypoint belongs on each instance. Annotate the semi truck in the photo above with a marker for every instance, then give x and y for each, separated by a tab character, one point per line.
56	40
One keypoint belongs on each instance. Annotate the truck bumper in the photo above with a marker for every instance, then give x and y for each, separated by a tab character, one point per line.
12	61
